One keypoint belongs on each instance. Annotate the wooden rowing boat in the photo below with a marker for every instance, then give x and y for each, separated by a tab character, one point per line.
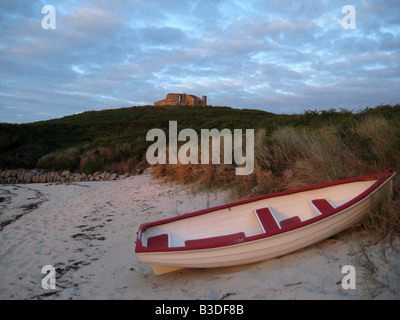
260	228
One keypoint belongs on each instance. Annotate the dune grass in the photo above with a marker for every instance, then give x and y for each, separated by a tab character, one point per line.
60	160
293	157
376	267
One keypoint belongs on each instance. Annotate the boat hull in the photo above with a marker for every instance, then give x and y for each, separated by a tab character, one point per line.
269	247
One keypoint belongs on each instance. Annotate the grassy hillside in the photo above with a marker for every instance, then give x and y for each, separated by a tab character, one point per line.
114	140
109	139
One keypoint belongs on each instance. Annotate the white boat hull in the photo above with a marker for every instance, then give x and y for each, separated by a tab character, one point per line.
264	248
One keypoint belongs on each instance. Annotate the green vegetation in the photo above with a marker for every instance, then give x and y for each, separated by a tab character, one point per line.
114	140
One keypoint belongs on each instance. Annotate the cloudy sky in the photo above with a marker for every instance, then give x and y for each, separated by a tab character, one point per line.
279	56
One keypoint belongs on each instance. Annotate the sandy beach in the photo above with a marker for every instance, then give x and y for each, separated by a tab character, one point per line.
87	231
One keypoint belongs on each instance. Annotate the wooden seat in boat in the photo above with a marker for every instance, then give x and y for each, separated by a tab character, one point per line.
269	223
158	241
290	222
216	241
267	220
323	206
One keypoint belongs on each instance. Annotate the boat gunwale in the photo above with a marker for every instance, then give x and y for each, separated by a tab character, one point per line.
380	177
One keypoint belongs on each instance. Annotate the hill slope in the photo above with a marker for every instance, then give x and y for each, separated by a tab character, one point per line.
114	140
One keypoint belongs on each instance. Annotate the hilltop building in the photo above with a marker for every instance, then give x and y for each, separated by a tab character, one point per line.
182	99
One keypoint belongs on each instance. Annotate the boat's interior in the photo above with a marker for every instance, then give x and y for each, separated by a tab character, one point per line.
265	216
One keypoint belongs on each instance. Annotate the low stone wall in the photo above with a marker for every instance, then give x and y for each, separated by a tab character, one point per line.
33	176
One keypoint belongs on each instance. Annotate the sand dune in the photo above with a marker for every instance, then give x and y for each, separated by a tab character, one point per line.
87	231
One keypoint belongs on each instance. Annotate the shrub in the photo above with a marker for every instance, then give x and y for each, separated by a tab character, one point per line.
94	160
58	161
376	137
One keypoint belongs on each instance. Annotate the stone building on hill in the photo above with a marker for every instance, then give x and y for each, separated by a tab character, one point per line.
182	99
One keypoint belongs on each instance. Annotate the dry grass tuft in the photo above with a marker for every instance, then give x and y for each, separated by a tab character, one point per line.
62	160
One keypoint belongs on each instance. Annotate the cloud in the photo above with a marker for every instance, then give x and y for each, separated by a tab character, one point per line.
280	56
